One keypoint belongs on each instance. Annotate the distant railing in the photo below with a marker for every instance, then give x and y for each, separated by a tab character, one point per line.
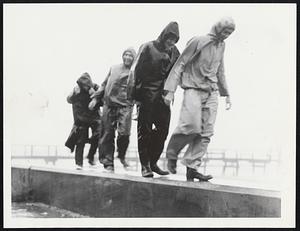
53	153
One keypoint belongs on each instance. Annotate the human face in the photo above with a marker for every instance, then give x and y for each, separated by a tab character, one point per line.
127	59
225	33
169	43
85	87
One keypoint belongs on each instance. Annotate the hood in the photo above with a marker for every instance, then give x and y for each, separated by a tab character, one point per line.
222	24
131	50
85	80
170	29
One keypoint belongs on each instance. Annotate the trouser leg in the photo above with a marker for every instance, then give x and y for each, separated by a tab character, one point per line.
193	155
124	128
209	114
107	142
161	119
144	128
83	135
79	154
122	145
176	144
198	147
96	129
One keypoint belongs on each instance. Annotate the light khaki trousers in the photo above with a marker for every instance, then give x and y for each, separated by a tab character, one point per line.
195	127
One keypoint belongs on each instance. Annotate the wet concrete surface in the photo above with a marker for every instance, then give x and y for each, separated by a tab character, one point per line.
40	210
259	180
99	194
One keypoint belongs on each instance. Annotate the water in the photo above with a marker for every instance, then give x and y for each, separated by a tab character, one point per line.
40	210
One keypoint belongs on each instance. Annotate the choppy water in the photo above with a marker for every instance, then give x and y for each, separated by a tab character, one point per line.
40	210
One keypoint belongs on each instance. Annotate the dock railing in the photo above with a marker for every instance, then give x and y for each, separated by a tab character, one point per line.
225	159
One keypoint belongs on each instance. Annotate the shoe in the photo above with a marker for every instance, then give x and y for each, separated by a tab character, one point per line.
135	117
192	174
92	163
172	166
78	167
124	162
146	171
156	169
109	168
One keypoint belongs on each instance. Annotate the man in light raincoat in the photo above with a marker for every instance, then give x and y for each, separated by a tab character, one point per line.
200	72
152	66
117	111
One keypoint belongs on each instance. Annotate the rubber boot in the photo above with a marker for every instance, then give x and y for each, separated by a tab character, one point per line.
192	174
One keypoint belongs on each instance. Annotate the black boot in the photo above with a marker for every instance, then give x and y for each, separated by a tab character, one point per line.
192	174
172	166
124	162
146	171
109	168
156	169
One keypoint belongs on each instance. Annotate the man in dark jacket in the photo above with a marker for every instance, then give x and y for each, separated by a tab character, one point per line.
83	120
153	64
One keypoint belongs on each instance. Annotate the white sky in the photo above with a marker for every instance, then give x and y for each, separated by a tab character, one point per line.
48	46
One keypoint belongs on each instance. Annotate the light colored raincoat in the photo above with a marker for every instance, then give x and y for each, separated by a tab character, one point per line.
200	68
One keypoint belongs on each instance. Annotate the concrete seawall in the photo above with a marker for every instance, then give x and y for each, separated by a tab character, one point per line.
113	195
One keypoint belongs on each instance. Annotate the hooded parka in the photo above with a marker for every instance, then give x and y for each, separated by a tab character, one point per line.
200	72
84	119
151	69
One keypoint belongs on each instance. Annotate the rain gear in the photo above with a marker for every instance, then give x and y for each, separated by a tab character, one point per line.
84	119
153	65
114	87
151	69
80	102
200	72
201	64
117	112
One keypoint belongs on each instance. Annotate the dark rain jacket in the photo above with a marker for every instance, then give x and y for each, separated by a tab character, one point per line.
152	66
81	113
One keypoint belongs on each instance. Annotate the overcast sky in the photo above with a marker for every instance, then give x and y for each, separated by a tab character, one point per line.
48	46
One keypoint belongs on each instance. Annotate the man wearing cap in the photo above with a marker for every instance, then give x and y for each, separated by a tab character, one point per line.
117	111
200	72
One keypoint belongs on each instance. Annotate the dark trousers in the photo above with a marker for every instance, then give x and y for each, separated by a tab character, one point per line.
115	118
83	130
151	140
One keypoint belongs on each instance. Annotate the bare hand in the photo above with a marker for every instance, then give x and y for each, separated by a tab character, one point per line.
92	104
169	98
95	93
91	91
76	90
228	103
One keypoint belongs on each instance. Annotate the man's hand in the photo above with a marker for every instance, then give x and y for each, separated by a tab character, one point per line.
228	103
76	90
92	104
95	93
91	91
169	98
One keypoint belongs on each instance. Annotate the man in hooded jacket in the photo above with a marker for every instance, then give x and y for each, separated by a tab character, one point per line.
83	120
152	66
117	111
200	72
